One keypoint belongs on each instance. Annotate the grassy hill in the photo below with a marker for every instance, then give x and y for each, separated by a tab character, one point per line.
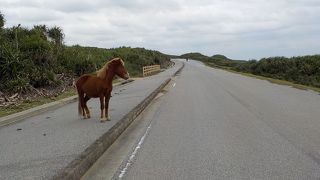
217	60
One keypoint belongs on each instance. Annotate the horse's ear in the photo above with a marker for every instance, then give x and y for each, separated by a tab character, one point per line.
121	61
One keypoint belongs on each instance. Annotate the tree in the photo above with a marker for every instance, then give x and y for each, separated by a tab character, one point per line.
42	29
2	20
56	34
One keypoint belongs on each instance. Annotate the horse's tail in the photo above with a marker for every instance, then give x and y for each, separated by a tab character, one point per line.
79	105
79	83
79	98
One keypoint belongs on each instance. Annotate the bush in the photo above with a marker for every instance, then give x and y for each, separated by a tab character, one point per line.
303	70
15	85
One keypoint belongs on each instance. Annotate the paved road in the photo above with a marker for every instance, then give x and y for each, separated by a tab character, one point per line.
218	125
38	147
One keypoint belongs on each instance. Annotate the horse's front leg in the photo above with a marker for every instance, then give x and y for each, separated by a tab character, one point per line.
106	103
103	117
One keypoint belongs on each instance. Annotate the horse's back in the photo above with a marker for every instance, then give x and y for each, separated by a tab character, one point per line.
91	85
82	79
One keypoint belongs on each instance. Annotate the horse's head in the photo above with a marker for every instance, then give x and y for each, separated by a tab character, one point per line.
120	70
115	67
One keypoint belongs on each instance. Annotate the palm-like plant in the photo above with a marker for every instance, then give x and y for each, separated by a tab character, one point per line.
56	34
2	20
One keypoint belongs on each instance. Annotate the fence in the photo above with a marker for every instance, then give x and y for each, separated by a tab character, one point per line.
147	70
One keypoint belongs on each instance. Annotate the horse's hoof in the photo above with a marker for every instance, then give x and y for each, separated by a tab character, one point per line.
103	120
108	119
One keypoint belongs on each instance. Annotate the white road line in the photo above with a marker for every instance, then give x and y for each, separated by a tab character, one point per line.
130	160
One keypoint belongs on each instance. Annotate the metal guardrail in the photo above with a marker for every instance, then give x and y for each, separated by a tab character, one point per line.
147	70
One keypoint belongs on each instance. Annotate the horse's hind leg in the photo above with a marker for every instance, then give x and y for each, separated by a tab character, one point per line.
81	103
86	109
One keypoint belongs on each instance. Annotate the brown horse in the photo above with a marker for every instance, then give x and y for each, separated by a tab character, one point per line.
99	86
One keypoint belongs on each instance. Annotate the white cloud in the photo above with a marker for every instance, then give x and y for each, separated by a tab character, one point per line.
239	29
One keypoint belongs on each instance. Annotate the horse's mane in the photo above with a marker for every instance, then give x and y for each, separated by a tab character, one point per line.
102	73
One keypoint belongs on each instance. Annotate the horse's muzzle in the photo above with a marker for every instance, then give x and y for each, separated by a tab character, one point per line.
126	76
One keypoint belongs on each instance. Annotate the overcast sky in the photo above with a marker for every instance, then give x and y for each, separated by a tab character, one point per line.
239	29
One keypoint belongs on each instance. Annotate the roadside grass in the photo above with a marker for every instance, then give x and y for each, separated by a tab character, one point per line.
271	80
27	104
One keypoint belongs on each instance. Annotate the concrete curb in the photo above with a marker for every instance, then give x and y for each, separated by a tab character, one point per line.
179	70
78	167
16	117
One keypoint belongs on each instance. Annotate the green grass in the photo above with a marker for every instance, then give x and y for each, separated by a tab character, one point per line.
27	104
272	80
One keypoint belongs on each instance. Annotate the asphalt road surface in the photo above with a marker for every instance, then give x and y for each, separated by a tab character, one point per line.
213	124
38	147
